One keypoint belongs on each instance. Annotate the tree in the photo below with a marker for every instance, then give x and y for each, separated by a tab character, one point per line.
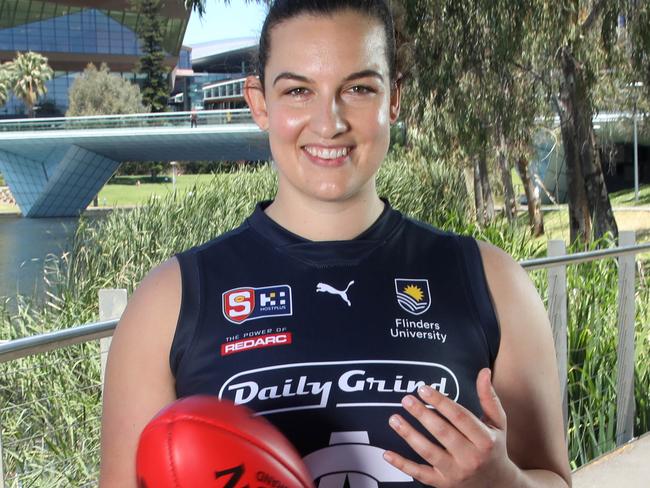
155	91
577	52
198	6
467	100
98	92
30	72
6	76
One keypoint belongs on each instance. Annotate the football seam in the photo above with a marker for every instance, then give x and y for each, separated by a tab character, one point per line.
241	434
170	457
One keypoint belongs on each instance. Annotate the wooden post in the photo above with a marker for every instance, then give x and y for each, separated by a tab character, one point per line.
557	312
625	348
112	303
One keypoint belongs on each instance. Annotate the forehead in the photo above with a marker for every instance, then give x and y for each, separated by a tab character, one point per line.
343	42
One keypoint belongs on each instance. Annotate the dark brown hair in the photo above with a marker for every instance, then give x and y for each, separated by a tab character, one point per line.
282	10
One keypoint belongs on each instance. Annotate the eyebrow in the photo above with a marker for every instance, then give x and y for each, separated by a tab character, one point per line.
287	75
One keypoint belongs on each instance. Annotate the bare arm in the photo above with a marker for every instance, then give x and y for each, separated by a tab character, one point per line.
138	377
525	375
519	441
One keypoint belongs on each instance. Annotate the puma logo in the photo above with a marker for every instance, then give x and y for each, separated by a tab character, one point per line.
325	288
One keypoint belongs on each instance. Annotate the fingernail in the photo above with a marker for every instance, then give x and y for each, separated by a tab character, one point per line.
407	401
425	390
388	456
394	421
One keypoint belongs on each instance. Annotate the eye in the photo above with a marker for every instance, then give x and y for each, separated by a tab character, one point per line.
297	92
361	90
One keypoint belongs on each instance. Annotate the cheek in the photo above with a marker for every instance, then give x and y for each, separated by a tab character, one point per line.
286	124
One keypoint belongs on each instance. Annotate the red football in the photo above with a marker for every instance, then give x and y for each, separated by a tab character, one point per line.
202	441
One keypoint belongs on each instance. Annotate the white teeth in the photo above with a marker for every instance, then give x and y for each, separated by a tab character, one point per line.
327	153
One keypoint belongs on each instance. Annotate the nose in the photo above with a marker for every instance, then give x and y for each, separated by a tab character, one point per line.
328	119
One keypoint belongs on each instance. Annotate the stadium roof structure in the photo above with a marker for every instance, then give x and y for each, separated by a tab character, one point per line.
224	56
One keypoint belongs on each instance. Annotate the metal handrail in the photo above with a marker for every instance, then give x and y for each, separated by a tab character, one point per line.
124	120
582	257
27	346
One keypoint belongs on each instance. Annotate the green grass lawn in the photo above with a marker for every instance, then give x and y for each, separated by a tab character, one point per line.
556	222
125	191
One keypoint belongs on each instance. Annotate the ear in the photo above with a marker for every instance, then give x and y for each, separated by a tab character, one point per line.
254	95
395	98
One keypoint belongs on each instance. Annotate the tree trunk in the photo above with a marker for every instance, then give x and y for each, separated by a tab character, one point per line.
535	216
486	190
587	190
579	218
478	194
509	200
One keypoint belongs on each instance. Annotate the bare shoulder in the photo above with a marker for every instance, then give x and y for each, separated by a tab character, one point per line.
525	371
139	381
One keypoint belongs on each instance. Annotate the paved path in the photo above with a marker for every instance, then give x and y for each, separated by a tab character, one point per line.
626	467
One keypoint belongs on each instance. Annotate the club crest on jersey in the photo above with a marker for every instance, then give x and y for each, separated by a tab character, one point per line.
413	295
248	303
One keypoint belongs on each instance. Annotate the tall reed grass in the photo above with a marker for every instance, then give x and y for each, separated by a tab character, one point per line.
51	403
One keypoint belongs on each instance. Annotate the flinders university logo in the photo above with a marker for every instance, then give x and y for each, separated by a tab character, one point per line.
248	303
413	295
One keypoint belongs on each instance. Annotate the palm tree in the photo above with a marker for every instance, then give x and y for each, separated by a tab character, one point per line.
31	71
199	5
6	82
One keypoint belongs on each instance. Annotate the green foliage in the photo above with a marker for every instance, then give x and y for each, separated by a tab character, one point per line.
6	81
29	72
98	92
155	91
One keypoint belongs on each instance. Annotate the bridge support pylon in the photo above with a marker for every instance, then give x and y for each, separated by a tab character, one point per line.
61	185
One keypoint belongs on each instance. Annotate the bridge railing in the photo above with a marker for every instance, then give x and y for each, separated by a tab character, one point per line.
120	121
88	346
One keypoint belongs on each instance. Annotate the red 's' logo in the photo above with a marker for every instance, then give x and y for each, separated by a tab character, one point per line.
239	303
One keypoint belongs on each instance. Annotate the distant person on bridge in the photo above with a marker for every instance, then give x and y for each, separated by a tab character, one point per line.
193	117
390	353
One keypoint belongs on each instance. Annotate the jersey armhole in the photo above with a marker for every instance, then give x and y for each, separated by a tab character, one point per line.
188	317
478	293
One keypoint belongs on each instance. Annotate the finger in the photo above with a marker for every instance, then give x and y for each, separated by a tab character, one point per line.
429	451
492	409
462	419
426	475
446	433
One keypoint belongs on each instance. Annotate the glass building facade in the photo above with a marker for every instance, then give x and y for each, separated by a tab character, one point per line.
73	33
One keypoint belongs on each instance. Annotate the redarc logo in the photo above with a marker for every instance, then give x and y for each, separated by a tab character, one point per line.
259	342
301	386
248	303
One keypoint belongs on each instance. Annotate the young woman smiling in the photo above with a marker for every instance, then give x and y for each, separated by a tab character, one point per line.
390	353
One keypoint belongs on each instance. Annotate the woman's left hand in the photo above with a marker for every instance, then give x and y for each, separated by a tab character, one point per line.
472	451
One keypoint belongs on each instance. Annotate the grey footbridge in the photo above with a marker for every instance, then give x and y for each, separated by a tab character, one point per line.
54	167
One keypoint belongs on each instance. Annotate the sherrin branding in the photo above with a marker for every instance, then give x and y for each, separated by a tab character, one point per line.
342	384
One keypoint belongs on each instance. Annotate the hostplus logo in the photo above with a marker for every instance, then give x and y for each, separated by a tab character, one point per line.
248	303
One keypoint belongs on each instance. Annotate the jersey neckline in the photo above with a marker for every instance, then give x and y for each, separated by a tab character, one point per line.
326	253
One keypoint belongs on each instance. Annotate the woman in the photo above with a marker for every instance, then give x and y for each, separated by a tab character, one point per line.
334	316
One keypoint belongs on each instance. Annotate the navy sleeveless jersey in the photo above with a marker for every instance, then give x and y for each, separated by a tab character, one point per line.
325	338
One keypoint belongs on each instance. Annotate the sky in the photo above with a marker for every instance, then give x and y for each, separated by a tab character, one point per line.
239	19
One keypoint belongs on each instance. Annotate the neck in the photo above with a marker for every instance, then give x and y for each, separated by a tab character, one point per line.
317	220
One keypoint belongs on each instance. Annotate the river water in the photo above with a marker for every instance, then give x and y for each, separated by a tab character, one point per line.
24	246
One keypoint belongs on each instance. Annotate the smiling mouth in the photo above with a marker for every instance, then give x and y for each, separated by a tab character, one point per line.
328	153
